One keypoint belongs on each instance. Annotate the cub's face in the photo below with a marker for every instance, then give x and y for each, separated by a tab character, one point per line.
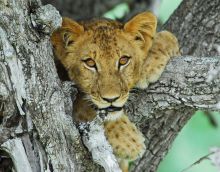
105	64
104	58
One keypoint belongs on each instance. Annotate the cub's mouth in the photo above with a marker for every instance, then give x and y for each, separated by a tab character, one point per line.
109	109
112	109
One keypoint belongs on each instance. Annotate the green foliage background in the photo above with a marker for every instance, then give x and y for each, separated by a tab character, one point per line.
192	143
198	136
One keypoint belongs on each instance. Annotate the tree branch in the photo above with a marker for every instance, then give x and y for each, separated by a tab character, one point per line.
164	107
36	103
183	83
195	24
17	152
197	19
95	140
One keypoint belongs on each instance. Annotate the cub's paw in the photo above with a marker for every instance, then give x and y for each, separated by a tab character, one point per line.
168	43
126	140
164	47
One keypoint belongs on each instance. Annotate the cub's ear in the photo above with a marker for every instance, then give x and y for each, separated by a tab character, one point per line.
70	30
142	27
66	34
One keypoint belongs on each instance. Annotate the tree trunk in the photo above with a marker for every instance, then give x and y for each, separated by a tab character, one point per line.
36	127
196	25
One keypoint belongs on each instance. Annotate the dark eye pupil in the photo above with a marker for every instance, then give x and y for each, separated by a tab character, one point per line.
90	63
123	60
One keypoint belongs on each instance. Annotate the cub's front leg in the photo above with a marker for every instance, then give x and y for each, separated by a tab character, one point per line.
164	47
126	140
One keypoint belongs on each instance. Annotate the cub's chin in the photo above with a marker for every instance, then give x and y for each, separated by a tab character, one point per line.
112	116
113	112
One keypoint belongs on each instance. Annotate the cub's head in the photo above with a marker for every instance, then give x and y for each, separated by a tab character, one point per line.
104	58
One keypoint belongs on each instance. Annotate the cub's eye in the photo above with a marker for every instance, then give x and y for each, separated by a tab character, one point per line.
90	63
124	60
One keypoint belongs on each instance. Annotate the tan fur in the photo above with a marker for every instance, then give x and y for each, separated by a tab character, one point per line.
82	109
165	46
105	42
126	140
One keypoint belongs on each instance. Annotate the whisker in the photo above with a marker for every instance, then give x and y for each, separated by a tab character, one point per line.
89	101
85	92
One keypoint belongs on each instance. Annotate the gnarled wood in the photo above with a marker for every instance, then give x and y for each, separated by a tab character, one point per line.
196	25
35	101
36	108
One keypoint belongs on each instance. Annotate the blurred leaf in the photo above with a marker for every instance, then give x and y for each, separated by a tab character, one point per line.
117	12
167	7
192	143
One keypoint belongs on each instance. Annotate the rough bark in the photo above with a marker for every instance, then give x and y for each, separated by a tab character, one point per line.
35	107
196	25
163	109
36	115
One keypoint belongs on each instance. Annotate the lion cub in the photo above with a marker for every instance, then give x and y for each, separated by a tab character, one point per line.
106	59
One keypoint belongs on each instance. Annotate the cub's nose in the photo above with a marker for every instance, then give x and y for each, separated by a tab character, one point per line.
110	100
